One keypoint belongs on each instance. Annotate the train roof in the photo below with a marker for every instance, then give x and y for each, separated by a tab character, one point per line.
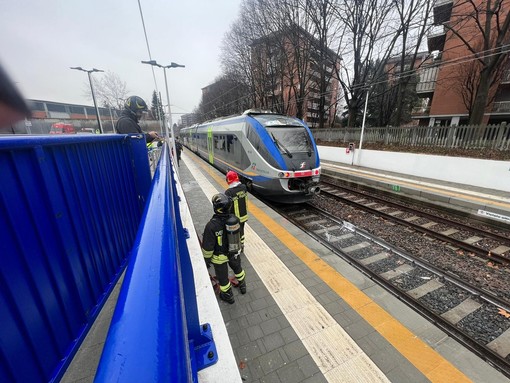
266	117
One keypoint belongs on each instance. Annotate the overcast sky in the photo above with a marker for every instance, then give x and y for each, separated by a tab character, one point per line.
41	39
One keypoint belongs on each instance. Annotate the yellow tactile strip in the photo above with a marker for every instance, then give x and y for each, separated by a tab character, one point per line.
337	356
336	365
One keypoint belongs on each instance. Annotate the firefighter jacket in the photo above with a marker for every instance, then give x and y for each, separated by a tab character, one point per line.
237	191
128	124
214	240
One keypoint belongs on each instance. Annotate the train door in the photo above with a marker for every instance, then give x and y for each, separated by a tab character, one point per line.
234	150
210	145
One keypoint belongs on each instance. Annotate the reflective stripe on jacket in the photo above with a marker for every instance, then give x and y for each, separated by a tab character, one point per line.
213	243
239	196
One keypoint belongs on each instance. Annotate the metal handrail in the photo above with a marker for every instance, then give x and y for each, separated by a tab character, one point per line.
155	334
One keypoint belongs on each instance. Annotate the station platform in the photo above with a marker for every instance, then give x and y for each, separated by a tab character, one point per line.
481	203
308	316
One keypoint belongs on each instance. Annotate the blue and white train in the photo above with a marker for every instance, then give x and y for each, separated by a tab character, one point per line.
274	155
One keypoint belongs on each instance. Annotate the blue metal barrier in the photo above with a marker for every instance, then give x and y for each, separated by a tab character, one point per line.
155	335
70	208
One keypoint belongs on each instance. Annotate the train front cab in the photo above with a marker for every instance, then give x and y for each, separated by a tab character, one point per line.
288	148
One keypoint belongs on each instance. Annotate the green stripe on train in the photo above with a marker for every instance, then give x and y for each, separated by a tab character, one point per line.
210	146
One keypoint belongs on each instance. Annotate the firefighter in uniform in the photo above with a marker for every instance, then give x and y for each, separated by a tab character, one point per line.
239	194
215	248
134	107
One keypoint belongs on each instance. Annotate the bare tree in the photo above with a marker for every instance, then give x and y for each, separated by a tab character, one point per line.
287	57
368	35
110	90
237	61
325	58
412	16
483	27
382	98
272	55
468	81
294	44
226	96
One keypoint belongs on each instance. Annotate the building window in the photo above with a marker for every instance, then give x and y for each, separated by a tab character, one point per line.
77	109
37	106
91	111
56	108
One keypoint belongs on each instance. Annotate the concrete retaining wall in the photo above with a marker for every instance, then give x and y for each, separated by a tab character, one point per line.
469	171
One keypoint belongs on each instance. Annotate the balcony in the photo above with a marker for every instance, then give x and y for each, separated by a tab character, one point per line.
442	11
436	39
501	107
428	77
505	79
421	111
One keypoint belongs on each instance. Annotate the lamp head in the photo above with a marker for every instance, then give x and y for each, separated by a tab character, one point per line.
151	62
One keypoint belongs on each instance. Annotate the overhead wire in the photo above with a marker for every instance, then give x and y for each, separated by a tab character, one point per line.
150	58
455	61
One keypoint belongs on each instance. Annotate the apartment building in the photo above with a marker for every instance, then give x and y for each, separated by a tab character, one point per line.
188	119
444	85
42	109
288	85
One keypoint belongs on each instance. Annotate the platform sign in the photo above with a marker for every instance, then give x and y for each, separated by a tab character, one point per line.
497	216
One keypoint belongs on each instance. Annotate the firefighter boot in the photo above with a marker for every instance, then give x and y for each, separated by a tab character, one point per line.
227	296
242	286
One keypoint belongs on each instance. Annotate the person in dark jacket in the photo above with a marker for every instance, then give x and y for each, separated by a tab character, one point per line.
214	249
178	148
134	107
239	194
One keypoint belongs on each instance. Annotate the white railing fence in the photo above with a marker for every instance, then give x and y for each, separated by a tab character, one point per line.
465	137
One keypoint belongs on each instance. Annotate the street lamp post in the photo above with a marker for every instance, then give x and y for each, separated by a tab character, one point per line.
363	125
172	65
364	118
92	90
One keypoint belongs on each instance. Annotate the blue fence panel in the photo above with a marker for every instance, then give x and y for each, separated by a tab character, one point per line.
69	211
155	335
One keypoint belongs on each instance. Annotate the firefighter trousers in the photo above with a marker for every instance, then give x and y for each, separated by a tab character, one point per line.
222	272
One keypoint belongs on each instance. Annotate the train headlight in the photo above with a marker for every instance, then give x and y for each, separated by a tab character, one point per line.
280	174
284	175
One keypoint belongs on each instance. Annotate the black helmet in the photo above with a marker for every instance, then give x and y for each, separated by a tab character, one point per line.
221	203
135	104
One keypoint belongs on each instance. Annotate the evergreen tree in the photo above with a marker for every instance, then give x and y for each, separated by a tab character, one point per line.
157	107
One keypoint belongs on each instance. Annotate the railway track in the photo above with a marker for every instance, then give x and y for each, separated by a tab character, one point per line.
482	243
475	317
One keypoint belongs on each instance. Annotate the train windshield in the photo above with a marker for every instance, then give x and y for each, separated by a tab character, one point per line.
290	139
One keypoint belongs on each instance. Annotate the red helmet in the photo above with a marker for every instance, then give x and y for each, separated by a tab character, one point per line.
231	177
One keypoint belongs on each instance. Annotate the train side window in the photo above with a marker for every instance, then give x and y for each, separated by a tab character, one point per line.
253	138
230	142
